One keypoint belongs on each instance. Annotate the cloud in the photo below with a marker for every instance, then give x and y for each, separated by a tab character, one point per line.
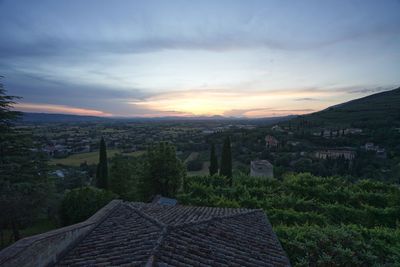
265	112
81	30
44	91
144	59
58	109
305	99
370	90
51	46
229	103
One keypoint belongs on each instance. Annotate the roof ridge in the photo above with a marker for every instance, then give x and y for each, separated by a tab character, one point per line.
216	218
146	216
165	229
153	254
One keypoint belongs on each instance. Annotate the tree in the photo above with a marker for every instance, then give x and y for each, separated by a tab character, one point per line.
102	167
163	172
24	187
81	203
124	173
226	159
7	116
213	161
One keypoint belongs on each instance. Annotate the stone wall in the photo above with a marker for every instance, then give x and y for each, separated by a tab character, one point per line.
47	248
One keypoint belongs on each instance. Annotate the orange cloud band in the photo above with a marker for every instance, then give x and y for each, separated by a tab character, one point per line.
49	108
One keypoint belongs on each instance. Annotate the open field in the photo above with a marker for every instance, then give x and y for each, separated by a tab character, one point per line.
90	157
203	171
192	156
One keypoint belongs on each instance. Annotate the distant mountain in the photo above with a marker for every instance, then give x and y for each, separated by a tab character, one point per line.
377	110
66	118
62	118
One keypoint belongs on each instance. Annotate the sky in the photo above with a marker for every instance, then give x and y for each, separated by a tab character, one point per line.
150	58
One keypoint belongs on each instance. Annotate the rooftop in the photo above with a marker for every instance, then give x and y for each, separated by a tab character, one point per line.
139	234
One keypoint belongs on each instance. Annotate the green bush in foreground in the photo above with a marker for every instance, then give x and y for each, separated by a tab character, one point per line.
345	245
81	203
320	221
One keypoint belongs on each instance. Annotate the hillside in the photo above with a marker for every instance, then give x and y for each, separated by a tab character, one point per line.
63	118
377	110
68	118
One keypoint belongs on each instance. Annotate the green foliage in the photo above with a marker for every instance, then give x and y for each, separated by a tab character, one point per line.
226	159
213	161
24	186
163	172
81	203
320	221
124	176
102	167
340	245
7	115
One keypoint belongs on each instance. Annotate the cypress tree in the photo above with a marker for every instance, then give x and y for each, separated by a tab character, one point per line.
102	168
226	160
213	161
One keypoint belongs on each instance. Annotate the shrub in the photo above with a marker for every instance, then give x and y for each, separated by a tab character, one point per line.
81	203
346	245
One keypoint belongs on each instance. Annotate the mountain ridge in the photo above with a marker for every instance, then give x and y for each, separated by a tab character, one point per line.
28	117
376	110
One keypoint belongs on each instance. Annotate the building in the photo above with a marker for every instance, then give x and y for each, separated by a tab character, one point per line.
293	143
261	168
352	131
139	234
166	201
369	146
271	142
381	153
335	153
277	128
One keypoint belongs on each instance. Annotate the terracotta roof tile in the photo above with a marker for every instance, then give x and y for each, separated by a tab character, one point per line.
138	234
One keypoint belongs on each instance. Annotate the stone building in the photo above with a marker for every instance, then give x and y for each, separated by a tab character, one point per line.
335	154
139	234
261	168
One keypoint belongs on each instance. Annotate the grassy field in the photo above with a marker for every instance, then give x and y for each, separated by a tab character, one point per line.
192	156
203	171
90	157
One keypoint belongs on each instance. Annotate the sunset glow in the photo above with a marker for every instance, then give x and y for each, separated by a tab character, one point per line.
240	104
58	109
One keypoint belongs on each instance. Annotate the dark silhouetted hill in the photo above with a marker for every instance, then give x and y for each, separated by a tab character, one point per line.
377	110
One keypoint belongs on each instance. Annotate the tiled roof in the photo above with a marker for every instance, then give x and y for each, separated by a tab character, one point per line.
138	234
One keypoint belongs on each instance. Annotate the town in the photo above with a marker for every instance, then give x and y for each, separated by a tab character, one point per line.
267	150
